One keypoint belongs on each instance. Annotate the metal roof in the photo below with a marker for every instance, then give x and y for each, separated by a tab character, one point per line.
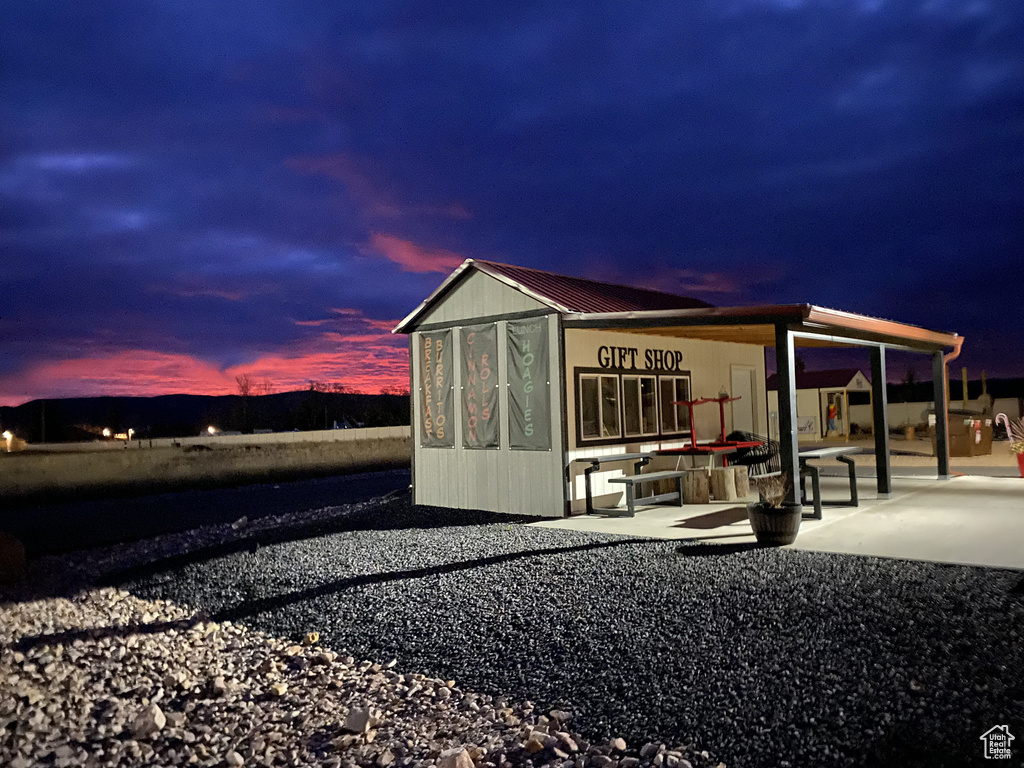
577	294
565	294
592	304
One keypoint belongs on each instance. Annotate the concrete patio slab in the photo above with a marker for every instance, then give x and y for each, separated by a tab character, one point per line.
968	520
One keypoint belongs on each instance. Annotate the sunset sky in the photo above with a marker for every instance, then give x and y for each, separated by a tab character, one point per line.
190	191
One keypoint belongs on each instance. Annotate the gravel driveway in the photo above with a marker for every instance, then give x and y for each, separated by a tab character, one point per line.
760	656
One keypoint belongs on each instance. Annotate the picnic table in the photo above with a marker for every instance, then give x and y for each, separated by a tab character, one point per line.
841	453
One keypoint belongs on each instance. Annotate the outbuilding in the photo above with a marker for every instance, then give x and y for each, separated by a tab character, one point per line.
823	400
518	373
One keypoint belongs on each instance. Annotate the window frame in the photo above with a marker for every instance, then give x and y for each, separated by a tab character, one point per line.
638	378
579	373
674	377
598	376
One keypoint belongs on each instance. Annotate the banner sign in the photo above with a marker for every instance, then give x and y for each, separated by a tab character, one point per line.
437	390
529	385
480	386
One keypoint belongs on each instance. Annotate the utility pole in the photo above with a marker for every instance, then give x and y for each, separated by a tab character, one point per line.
42	421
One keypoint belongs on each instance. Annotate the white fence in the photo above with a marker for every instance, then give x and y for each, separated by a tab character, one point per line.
220	440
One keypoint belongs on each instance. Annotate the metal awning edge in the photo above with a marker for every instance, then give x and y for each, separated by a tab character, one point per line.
804	316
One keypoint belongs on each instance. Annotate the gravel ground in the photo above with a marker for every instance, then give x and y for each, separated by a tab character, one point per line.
756	656
106	679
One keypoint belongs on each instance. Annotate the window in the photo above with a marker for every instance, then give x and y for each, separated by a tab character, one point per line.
674	418
640	405
613	407
599	407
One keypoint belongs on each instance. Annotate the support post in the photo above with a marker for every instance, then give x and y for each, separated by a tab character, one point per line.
941	414
785	367
880	402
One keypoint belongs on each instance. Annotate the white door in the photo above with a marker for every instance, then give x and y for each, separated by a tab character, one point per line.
743	388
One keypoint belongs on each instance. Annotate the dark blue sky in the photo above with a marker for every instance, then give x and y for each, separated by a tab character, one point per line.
190	191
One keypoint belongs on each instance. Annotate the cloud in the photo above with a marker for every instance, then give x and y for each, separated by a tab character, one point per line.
687	281
345	347
202	292
411	257
78	162
367	187
367	363
261	168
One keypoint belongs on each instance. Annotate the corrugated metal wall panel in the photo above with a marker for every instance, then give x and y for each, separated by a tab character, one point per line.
524	482
479	295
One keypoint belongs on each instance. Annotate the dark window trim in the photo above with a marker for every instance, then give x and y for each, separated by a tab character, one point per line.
620	372
674	375
576	399
657	407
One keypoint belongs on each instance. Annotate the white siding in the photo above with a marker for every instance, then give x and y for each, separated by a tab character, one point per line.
808	408
479	295
503	480
709	364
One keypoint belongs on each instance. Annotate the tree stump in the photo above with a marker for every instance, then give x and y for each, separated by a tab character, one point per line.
742	481
695	487
723	483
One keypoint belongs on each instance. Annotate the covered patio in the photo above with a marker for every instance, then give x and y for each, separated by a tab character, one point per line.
786	327
922	518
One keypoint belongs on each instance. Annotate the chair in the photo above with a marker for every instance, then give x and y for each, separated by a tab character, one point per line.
762	460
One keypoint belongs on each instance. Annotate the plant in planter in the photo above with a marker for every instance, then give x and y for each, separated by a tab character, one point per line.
1015	434
775	521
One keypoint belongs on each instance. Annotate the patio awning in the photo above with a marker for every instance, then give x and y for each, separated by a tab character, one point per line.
785	327
812	326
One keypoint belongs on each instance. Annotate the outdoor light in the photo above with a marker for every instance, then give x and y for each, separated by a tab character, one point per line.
107	432
211	429
8	435
130	433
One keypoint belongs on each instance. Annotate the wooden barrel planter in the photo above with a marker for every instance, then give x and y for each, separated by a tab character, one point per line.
774	526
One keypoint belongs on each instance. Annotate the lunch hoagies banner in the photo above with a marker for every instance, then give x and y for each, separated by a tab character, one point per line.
529	385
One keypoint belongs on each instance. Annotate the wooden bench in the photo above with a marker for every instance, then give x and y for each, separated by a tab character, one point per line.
840	453
632	481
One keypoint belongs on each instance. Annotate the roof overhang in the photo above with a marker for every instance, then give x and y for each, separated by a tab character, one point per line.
812	326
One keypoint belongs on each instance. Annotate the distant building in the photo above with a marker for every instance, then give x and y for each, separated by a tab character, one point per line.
818	394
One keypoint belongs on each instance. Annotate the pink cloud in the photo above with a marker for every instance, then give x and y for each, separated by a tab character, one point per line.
368	188
206	292
701	282
383	325
362	356
411	257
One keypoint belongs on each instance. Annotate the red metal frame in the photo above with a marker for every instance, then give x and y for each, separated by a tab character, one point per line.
715	446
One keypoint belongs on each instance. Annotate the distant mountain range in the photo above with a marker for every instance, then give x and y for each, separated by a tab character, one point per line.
85	418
